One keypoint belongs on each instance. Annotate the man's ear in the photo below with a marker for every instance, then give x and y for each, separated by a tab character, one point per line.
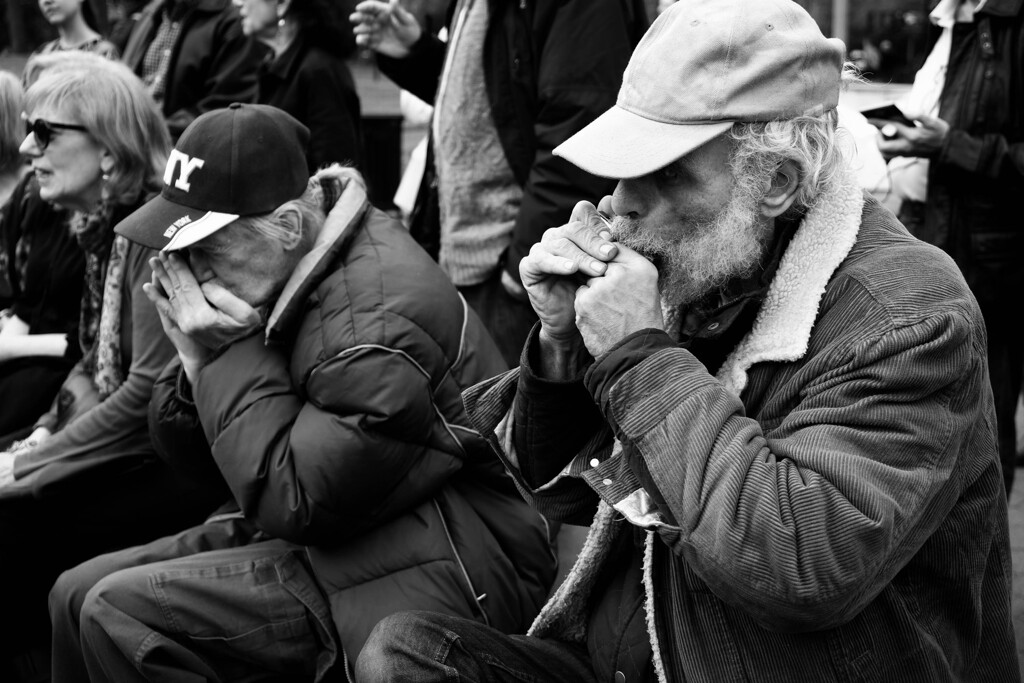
782	193
292	219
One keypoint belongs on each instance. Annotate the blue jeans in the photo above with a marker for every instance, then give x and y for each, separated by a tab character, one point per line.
427	647
241	614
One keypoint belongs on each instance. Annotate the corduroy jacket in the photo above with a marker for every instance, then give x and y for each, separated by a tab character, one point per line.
829	507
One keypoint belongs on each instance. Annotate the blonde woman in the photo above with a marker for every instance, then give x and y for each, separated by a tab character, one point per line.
86	480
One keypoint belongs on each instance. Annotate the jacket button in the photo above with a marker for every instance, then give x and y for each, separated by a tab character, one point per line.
620	677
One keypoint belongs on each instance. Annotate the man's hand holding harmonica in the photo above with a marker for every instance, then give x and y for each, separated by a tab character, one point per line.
579	313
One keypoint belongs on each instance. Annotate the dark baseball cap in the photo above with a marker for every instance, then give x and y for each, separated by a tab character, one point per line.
244	160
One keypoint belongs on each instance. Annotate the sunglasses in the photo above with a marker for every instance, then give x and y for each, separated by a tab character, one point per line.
45	130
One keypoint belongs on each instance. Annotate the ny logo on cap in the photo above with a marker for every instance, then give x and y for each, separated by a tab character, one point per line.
188	164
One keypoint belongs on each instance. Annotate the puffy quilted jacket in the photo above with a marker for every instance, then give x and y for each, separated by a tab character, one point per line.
344	430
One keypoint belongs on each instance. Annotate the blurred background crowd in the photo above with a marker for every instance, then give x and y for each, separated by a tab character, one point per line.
886	38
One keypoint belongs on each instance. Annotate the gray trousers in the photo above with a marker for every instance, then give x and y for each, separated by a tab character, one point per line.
208	604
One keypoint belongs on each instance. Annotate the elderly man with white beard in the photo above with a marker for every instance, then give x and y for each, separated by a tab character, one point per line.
768	400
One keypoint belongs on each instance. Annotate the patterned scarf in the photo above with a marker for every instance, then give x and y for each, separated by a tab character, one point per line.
99	330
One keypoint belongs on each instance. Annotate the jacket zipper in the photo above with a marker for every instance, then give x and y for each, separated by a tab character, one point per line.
455	551
344	659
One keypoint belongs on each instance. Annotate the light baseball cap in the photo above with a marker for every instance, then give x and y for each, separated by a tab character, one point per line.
702	66
243	160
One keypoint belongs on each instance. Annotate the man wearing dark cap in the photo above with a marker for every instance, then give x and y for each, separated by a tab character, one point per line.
321	355
767	398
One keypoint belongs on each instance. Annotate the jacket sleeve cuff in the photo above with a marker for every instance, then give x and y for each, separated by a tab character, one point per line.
627	354
961	151
553	418
183	388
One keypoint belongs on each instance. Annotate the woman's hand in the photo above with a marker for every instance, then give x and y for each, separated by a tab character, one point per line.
34	440
198	319
37	438
7	458
385	27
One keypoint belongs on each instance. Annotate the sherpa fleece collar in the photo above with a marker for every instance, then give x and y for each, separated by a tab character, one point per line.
782	330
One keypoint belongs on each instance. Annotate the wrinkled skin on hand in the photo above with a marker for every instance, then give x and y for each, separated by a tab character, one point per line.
385	27
624	300
587	291
556	266
199	319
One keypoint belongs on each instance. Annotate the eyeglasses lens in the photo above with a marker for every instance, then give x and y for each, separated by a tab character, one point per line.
41	130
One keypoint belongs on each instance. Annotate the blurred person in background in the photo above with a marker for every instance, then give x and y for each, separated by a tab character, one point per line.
86	479
193	57
960	173
515	79
75	29
12	165
306	75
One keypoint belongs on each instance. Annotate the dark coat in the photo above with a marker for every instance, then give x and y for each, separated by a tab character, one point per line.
212	64
316	87
45	293
344	430
551	68
975	182
49	297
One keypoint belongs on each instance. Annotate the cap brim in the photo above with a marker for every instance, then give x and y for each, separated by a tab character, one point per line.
621	144
164	225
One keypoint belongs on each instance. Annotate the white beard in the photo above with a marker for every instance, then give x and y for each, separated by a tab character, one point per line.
702	254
